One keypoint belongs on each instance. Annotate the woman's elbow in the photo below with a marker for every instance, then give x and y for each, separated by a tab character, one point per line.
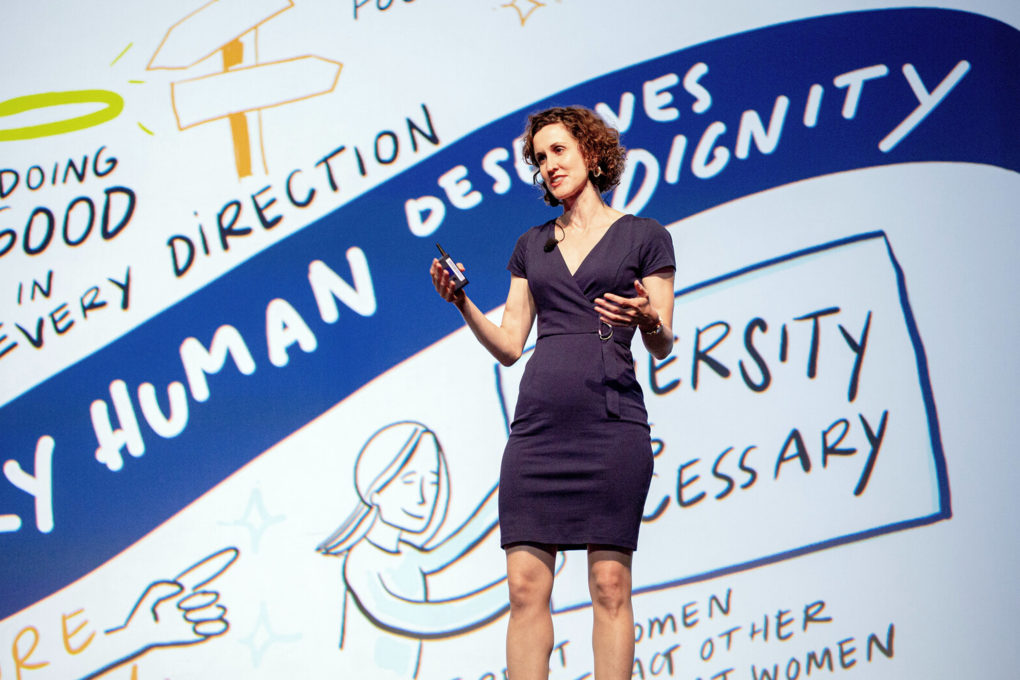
509	358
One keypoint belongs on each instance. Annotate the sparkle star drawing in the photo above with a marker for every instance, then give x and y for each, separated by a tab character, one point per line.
523	14
255	519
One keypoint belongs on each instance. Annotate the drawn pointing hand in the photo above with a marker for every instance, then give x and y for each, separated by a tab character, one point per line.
182	610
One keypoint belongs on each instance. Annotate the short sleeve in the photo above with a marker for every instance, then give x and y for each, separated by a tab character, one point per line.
517	265
657	253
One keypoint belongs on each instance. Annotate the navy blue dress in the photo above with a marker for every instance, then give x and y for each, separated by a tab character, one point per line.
578	463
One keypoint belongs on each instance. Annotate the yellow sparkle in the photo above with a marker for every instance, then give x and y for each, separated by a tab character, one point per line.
523	14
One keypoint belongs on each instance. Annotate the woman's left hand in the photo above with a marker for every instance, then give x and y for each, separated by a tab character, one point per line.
636	312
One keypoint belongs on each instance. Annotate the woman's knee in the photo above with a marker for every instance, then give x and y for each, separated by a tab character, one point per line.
610	586
529	580
529	589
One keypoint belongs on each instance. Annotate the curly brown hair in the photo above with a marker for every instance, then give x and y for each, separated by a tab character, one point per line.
599	143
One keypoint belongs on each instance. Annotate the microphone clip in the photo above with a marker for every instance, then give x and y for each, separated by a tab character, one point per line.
552	242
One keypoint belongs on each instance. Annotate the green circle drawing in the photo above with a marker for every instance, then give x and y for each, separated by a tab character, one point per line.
114	104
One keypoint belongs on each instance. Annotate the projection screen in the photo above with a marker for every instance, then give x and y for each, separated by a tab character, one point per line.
218	333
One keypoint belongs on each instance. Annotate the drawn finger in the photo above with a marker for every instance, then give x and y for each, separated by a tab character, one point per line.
214	613
155	594
212	627
159	592
207	569
199	600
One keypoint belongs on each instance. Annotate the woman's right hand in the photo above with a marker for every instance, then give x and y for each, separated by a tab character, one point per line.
444	283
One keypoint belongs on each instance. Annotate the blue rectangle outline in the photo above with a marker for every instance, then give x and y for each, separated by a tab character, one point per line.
941	473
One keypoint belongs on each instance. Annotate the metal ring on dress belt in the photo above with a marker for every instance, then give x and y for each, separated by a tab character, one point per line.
603	338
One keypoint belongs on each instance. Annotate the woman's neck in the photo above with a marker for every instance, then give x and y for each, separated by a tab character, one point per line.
384	536
587	210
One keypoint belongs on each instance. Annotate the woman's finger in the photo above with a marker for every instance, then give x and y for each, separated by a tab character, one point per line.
621	300
604	306
614	318
443	282
440	279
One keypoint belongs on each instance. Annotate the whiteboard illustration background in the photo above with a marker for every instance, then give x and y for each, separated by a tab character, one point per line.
242	437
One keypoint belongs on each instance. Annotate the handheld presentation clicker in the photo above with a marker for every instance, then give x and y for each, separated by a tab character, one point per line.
455	273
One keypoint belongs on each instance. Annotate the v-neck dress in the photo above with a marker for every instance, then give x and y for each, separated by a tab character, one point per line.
578	462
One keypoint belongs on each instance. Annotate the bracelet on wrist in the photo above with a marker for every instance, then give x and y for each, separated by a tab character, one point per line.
654	331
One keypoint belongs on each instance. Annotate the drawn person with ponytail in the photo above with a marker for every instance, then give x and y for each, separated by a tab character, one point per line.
388	553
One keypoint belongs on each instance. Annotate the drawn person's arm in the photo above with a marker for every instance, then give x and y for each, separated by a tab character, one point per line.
169	613
421	619
479	525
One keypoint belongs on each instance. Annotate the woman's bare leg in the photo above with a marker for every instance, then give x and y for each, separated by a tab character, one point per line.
609	581
529	634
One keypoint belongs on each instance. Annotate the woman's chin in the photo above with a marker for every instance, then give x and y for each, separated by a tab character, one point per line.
415	527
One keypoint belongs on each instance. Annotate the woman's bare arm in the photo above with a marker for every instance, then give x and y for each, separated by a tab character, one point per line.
506	341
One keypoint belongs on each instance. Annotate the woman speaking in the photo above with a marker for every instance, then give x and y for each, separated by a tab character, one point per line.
578	462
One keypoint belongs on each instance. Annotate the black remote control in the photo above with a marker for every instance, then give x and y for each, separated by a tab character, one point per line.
455	273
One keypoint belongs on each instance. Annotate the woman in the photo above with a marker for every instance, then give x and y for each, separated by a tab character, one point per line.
578	462
403	485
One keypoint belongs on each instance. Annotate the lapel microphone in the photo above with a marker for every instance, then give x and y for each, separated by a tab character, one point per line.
553	241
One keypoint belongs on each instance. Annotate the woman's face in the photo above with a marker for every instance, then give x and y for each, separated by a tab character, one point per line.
409	499
560	161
